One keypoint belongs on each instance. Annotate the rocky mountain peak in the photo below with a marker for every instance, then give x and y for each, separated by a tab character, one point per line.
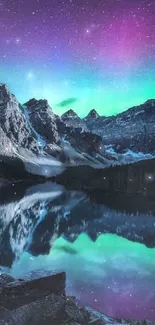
43	120
13	122
6	96
69	113
150	102
34	104
93	113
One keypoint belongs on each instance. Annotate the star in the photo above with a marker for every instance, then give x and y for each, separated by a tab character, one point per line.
107	45
30	75
17	40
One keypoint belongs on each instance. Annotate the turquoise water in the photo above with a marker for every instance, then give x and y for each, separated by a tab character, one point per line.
108	255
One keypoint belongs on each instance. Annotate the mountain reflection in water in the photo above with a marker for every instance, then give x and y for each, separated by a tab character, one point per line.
105	246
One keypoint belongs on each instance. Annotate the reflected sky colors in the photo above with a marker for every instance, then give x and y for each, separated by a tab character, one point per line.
112	274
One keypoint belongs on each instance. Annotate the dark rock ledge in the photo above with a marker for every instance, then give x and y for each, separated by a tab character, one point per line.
40	299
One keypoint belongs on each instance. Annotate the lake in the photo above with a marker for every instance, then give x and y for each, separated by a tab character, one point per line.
105	243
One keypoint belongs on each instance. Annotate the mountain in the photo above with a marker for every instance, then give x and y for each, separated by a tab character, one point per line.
69	113
43	121
133	129
75	145
33	140
93	114
71	119
13	122
131	132
18	145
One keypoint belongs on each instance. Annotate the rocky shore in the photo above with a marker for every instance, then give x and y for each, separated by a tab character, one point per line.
40	299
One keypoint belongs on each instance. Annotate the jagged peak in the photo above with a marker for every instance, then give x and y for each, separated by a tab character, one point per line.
6	95
93	113
4	88
34	101
69	113
1	84
150	102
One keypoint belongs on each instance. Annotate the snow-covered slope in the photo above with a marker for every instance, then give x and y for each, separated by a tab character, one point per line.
34	140
31	138
72	146
132	130
71	119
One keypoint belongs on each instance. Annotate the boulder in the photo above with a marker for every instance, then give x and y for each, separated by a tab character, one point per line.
48	310
5	279
35	286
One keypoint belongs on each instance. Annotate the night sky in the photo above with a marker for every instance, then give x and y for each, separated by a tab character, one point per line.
79	54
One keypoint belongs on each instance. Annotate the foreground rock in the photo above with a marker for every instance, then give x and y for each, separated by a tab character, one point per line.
40	299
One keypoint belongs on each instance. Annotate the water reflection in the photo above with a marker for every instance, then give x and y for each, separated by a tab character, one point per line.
107	252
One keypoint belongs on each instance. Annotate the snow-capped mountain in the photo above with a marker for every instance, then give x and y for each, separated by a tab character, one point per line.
71	119
71	145
43	120
13	122
132	130
35	140
93	114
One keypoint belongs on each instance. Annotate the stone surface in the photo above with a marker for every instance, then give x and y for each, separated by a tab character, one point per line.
73	312
133	129
19	293
70	118
16	131
97	318
5	279
43	120
48	310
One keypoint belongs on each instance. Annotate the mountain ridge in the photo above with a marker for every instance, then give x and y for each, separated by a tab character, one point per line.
149	101
46	144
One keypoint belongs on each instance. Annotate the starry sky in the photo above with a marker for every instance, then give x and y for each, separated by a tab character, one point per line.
116	273
79	54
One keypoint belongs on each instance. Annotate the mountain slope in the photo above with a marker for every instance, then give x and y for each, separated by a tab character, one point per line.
71	119
132	130
74	145
13	122
34	140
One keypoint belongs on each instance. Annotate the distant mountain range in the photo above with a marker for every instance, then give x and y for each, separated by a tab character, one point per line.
48	211
133	129
35	140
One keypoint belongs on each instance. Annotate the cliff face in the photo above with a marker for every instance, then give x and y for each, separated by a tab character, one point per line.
43	120
13	122
36	141
32	138
75	145
71	119
133	129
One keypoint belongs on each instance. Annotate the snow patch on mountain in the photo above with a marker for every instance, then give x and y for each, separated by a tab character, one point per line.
127	156
38	136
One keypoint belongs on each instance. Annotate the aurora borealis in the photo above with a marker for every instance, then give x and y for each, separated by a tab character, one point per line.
117	275
100	54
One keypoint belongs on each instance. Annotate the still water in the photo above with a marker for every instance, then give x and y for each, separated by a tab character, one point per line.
105	244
